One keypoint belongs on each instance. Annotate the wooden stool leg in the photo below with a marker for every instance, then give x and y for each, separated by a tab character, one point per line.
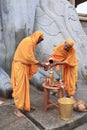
46	99
60	93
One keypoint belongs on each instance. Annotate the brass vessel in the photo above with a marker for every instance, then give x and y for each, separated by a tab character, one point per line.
86	75
51	76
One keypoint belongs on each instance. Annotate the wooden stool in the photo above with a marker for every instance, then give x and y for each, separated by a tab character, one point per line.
47	102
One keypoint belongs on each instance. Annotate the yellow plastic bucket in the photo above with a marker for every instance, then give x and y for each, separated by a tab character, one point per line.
66	108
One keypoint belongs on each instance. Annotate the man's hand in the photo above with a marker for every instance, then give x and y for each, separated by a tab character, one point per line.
47	66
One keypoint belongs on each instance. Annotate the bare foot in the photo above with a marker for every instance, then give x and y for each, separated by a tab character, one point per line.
1	102
32	108
18	113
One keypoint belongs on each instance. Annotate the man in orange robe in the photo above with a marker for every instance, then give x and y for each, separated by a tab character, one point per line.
24	66
65	55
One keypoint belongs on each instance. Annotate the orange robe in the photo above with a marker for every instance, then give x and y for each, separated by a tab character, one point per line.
23	68
69	70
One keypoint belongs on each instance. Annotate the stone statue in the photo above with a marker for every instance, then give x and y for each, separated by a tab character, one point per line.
21	18
59	24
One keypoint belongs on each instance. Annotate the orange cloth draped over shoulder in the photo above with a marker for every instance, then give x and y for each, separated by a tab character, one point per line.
69	70
23	68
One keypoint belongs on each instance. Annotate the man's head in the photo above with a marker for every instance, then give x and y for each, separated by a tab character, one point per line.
68	44
41	38
37	37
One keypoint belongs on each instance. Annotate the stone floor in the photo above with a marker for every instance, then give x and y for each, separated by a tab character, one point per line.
40	120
